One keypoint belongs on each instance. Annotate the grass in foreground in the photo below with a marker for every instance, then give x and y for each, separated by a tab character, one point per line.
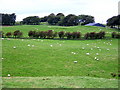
58	60
59	82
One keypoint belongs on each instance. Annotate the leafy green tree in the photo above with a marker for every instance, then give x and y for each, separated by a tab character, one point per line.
69	20
114	22
44	19
85	19
31	20
8	19
53	20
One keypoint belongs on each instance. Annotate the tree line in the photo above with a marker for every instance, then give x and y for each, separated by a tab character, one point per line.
59	19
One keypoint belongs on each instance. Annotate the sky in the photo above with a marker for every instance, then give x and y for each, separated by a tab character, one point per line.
100	9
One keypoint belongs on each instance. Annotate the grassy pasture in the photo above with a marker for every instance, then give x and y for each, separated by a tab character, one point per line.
55	58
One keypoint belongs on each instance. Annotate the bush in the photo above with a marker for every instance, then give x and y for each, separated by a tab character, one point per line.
55	34
78	35
50	34
101	35
114	34
30	33
17	34
61	34
8	34
36	34
86	36
68	35
92	35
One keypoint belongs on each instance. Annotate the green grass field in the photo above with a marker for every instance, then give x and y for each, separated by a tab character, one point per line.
55	58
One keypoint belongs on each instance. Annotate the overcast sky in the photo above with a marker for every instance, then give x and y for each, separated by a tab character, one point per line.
100	9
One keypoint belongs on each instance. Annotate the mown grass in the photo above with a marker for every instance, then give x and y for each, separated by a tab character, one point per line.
41	60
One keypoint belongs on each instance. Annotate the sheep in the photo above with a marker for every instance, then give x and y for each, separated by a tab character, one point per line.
14	47
8	75
75	61
87	53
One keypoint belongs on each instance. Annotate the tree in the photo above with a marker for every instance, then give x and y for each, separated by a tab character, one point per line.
53	20
69	20
8	19
114	22
44	19
85	19
31	20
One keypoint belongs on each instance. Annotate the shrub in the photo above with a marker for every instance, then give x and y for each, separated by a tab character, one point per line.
78	35
55	34
114	34
92	35
30	33
86	36
41	34
101	35
8	34
17	34
74	35
61	34
68	35
49	33
36	34
44	34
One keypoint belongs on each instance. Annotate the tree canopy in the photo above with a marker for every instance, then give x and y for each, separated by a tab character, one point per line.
85	19
8	19
31	20
114	22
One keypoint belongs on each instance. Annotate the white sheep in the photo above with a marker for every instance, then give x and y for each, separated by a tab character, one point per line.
14	47
8	75
87	53
75	61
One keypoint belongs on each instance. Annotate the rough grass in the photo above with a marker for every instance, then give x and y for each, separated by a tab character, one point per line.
42	60
59	82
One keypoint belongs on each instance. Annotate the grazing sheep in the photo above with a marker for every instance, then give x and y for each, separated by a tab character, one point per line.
83	48
95	58
97	53
28	45
75	61
14	47
87	53
8	75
